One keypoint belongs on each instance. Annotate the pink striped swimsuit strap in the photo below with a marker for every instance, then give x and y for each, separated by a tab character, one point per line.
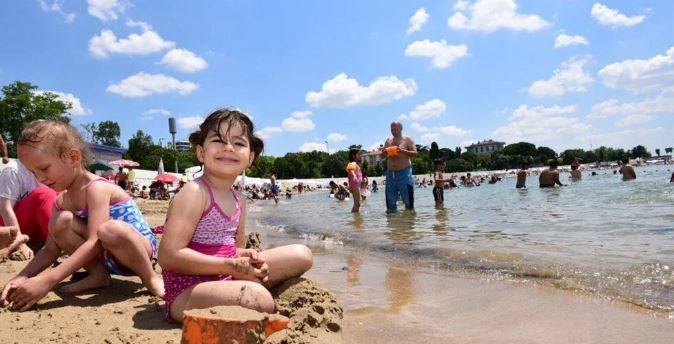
213	203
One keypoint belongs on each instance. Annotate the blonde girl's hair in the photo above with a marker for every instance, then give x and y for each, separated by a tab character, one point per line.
59	136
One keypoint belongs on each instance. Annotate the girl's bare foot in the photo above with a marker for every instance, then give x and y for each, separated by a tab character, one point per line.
155	285
92	281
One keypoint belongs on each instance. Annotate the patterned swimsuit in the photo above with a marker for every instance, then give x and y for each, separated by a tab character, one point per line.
127	211
215	235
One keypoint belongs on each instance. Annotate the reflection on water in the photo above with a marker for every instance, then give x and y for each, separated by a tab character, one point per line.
599	233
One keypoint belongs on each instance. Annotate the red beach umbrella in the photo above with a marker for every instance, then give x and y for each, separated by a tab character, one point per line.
125	163
166	178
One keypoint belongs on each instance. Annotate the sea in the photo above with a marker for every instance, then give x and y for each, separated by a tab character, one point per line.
600	235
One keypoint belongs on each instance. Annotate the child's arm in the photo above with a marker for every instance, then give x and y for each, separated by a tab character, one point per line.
181	221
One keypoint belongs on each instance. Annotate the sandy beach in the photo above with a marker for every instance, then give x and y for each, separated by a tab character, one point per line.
383	301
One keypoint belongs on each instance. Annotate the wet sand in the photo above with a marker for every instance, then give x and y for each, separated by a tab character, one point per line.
386	302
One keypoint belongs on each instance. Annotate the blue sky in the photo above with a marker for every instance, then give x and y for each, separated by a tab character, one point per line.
561	73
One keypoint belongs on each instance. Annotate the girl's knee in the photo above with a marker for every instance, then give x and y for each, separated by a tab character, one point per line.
112	233
60	222
303	256
256	296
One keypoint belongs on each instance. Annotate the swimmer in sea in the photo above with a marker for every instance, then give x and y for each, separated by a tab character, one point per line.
627	170
550	176
522	176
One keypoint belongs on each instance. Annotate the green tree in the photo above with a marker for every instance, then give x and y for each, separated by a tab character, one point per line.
524	149
668	150
90	130
434	153
640	152
20	105
108	133
262	167
543	154
657	151
570	154
139	145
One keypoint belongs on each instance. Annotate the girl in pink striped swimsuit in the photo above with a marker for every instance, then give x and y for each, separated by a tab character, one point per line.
202	252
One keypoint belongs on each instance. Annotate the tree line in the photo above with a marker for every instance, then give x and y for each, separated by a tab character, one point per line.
20	104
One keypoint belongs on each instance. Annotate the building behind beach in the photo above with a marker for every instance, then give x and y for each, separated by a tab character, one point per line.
485	147
106	153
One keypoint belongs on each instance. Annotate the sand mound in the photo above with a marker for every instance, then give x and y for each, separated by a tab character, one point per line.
315	315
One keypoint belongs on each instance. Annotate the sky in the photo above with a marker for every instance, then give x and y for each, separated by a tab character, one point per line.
318	75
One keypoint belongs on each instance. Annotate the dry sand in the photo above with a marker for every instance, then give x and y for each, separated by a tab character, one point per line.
126	313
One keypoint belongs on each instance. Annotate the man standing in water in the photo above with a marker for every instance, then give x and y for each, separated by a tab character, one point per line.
275	189
550	176
627	170
399	151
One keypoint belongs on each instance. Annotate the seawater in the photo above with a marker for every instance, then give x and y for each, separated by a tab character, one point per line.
600	234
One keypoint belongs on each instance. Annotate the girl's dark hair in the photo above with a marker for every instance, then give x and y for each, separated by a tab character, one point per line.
352	153
57	135
229	117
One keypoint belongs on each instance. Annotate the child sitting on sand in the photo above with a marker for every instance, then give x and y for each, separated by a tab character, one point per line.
202	252
355	176
94	221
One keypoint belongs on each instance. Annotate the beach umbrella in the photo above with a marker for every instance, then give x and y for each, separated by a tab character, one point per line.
160	169
99	165
125	163
166	178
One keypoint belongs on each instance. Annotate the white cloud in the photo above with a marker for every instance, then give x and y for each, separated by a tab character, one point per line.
453	131
661	104
564	40
149	114
106	9
439	134
77	109
493	15
336	137
184	60
419	128
141	24
190	122
298	121
430	109
145	43
430	137
342	91
570	77
656	73
56	7
461	5
267	132
634	120
440	52
417	20
144	84
542	125
313	146
610	17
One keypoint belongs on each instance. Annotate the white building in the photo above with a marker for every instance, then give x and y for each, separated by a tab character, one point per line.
485	147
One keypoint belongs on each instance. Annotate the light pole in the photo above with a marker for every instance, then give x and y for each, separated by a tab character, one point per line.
327	147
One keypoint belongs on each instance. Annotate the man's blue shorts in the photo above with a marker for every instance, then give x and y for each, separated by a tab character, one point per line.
399	184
